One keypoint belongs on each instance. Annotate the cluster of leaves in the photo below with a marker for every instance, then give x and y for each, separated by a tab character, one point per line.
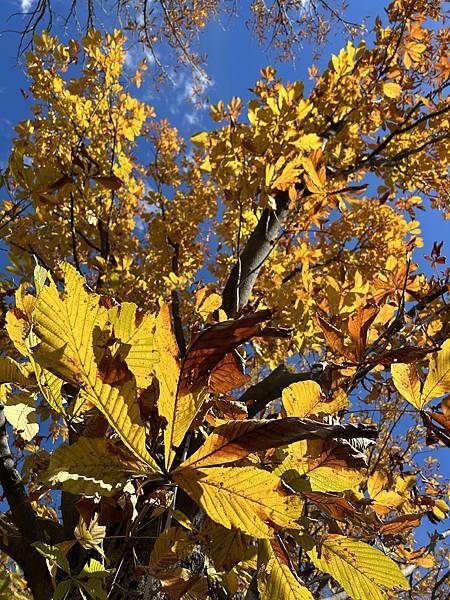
126	379
114	357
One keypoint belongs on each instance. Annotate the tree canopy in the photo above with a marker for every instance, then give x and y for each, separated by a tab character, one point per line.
222	372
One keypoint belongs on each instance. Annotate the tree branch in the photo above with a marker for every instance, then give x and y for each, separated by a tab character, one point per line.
22	513
24	518
258	247
271	388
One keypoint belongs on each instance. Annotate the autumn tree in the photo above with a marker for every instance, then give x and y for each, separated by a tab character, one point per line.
219	369
175	24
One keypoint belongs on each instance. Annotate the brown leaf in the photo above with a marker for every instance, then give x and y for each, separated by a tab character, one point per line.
113	369
435	432
228	374
333	336
231	409
111	182
179	586
237	439
358	326
405	354
401	524
210	346
58	184
336	506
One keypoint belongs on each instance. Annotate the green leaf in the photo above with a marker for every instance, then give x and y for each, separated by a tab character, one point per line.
54	555
95	569
62	589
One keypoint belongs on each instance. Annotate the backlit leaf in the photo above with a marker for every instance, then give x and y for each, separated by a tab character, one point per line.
135	331
364	572
304	398
407	382
275	576
237	439
244	498
437	382
90	466
67	328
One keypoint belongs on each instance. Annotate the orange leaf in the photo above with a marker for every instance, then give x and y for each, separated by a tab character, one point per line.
337	507
333	336
401	524
210	346
358	326
111	182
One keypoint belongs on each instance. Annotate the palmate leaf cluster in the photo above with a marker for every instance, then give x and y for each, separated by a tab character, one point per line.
109	353
226	376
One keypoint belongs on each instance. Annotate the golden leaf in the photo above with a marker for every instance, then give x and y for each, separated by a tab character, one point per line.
275	576
244	498
90	466
304	398
437	382
407	382
392	90
66	327
364	572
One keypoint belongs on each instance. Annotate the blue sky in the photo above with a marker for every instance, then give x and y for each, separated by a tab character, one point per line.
234	61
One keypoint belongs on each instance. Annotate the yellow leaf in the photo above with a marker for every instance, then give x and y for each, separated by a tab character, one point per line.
13	372
209	304
135	330
244	498
18	328
377	482
22	416
90	466
66	327
90	535
315	180
407	382
304	398
50	386
275	577
308	466
364	572
437	382
170	547
392	90
387	500
227	547
288	177
178	409
200	139
308	142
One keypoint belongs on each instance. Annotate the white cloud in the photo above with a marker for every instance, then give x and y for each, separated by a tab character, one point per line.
192	88
25	5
